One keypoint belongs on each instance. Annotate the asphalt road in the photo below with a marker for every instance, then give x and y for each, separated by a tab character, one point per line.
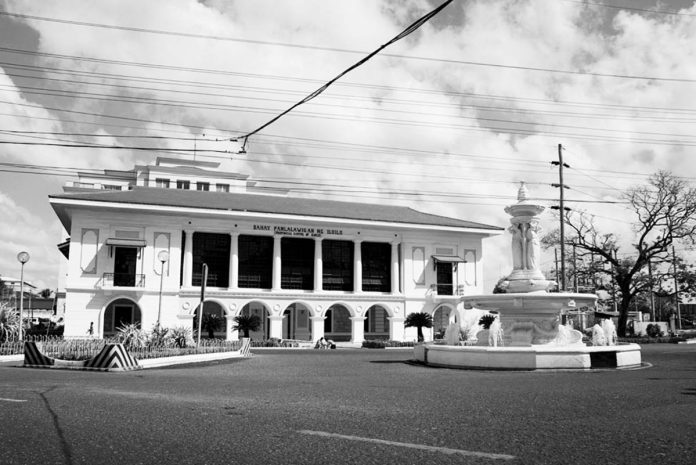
351	406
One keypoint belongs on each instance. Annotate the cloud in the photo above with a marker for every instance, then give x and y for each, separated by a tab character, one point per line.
467	133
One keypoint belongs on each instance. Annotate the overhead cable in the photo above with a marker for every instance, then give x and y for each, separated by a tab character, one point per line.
331	49
413	27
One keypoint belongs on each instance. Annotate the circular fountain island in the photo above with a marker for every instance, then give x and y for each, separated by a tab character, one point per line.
522	328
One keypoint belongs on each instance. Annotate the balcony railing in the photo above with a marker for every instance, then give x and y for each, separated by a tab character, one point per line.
123	280
446	289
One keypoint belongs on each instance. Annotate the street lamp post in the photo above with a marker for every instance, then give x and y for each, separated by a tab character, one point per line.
22	257
163	257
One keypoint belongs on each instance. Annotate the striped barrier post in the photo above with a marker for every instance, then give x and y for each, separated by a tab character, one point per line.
33	358
245	349
113	357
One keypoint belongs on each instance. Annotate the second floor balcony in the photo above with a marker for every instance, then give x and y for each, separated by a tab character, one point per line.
123	280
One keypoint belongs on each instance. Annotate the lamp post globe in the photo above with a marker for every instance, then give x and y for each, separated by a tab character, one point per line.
22	257
163	257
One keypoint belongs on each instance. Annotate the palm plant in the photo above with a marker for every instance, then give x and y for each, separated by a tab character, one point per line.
130	335
211	323
181	336
246	323
9	323
419	320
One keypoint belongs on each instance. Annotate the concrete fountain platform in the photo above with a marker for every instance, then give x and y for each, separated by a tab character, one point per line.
539	357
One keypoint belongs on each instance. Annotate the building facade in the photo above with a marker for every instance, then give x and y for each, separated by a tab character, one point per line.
307	267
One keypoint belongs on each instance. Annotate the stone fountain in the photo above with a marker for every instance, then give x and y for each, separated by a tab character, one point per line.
527	332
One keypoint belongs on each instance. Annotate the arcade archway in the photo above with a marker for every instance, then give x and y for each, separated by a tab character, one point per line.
214	324
119	313
296	323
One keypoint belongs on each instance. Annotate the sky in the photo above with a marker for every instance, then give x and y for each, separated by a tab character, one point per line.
448	120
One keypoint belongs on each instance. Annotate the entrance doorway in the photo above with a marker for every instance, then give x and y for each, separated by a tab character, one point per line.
119	313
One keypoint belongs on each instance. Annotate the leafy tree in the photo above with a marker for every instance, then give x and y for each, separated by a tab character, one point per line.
246	323
419	320
665	211
46	293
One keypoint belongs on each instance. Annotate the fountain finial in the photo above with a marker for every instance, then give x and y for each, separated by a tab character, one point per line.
522	192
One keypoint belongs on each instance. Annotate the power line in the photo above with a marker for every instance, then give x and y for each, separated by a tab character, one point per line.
410	29
617	7
226	107
395	101
312	47
295	79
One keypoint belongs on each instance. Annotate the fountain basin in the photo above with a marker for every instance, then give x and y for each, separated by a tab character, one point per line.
529	318
536	357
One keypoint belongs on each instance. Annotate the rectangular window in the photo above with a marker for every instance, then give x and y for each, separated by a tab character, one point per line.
376	266
337	261
162	182
203	186
111	187
297	258
255	262
222	187
214	251
183	185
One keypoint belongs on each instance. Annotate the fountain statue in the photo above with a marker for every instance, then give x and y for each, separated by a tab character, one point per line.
525	328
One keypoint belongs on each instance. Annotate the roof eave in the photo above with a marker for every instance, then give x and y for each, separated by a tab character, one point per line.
63	203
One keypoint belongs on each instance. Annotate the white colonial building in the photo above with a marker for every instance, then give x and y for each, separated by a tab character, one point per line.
309	268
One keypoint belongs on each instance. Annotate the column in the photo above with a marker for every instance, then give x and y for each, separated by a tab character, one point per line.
232	335
396	328
357	267
357	329
318	265
276	263
317	323
395	267
234	261
276	326
188	259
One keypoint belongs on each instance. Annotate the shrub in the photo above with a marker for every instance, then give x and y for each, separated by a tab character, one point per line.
382	344
181	337
654	331
9	323
130	335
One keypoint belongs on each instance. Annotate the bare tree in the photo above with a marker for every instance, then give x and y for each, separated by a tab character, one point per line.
665	210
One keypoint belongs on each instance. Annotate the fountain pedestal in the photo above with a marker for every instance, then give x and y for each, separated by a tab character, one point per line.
530	317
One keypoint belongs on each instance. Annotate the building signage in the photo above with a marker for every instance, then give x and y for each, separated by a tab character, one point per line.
301	231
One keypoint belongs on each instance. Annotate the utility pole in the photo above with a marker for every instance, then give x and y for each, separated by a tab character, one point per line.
562	210
652	296
555	259
613	280
676	287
